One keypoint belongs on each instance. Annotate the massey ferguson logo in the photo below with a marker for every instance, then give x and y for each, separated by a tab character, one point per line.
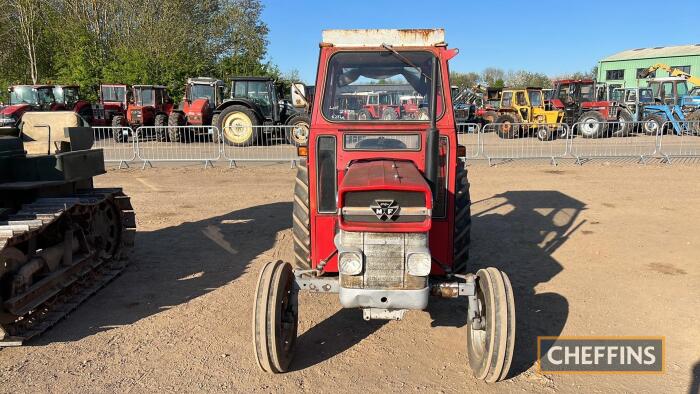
384	209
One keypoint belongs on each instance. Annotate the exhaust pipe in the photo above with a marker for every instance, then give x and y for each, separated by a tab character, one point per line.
433	135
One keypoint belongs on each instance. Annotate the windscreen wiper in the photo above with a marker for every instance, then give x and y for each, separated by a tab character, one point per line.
404	59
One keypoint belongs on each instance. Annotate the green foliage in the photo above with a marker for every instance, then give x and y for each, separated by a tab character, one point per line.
88	42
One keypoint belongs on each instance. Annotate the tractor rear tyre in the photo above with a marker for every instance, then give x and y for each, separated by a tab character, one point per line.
298	131
389	114
505	127
238	125
301	219
175	120
216	133
591	124
463	219
653	124
160	122
625	124
491	335
275	317
117	131
694	122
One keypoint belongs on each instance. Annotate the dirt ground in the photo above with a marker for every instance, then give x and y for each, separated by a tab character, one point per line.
592	250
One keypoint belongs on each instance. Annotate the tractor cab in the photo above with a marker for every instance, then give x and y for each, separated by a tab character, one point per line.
25	98
634	99
114	95
668	90
69	96
381	204
204	88
261	92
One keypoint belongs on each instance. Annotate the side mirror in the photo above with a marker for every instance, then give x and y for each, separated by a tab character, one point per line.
299	99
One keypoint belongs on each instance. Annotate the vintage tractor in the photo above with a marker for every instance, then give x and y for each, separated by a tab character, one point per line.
254	102
381	211
61	239
202	96
68	99
522	112
148	105
25	98
594	117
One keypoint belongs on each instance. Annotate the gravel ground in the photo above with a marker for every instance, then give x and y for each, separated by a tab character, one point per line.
594	250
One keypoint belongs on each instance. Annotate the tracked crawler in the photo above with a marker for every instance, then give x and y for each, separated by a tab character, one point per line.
61	239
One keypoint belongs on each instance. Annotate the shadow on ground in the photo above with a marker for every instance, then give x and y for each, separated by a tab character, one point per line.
517	232
174	265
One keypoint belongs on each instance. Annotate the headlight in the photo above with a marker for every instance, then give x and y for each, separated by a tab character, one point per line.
7	120
418	263
350	263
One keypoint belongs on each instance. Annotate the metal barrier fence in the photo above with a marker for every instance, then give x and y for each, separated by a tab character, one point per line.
261	143
114	152
178	143
513	141
595	140
680	140
469	135
496	141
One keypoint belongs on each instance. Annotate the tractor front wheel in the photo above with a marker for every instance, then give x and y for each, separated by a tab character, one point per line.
161	122
653	124
505	127
216	133
275	317
238	125
363	114
491	333
389	114
297	132
175	120
544	133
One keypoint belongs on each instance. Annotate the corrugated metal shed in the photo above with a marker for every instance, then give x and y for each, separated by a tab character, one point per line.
645	53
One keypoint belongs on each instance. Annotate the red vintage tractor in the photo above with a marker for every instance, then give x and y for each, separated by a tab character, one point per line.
381	211
595	117
148	105
202	96
24	98
112	103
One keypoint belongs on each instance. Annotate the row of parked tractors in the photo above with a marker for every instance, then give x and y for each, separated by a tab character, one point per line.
252	102
590	109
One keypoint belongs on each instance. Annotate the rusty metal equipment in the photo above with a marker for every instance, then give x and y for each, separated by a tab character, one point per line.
61	239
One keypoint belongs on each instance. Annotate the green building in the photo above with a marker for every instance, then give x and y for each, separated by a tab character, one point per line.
620	69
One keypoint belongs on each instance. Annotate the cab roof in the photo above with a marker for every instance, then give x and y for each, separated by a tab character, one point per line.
359	38
149	86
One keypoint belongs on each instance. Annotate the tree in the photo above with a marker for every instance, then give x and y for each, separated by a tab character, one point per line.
27	15
523	78
493	77
464	80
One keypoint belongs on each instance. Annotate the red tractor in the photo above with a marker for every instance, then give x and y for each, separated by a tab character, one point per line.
381	211
202	96
24	98
582	106
113	103
148	105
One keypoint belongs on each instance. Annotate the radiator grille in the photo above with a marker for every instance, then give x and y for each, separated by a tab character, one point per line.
385	256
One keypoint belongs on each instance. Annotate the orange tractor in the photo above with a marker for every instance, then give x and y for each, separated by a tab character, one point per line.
148	105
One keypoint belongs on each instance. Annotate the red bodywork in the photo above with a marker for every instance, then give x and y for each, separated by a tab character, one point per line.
198	112
603	107
106	110
384	175
148	110
323	224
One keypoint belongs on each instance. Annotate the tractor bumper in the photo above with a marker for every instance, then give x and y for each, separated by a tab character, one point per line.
386	299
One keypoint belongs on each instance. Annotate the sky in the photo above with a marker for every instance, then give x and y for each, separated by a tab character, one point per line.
552	37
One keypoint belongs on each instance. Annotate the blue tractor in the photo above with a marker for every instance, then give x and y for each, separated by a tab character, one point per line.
663	118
